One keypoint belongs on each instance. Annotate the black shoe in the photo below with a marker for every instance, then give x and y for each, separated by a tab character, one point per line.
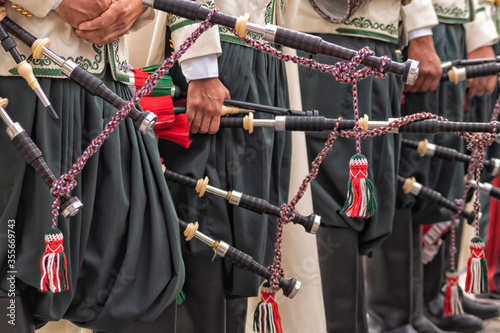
461	323
465	323
422	324
375	325
481	310
491	295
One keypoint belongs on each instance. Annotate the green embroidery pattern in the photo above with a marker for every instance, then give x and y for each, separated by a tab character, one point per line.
269	14
120	68
367	33
365	24
98	58
181	22
87	64
227	36
456	13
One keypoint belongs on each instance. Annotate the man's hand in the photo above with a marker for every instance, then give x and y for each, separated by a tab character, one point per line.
111	24
204	104
75	12
481	85
429	73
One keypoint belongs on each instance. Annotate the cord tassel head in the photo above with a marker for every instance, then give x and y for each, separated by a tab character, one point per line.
53	264
476	281
360	193
267	318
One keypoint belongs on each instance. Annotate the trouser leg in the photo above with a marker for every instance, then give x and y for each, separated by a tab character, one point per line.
389	276
342	280
206	308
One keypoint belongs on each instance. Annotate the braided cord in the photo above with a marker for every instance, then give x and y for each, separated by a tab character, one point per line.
496	110
67	181
477	144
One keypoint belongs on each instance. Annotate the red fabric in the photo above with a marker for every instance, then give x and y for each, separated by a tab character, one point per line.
168	126
493	240
178	133
140	77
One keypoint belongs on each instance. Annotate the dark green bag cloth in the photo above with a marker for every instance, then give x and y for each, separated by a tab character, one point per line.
123	248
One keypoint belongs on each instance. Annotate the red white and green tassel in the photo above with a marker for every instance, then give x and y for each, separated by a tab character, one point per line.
476	281
453	294
266	317
360	193
53	264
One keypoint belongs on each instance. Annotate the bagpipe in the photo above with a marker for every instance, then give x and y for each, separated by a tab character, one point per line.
411	186
360	197
144	121
408	71
311	223
320	123
24	68
290	287
425	148
70	206
488	189
469	69
232	106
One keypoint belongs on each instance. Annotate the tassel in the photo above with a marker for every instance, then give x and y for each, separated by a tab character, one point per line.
181	297
453	295
477	272
53	264
360	197
266	316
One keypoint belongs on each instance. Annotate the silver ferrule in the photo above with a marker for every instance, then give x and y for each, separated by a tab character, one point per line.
431	149
222	248
267	32
264	123
148	3
217	191
446	64
148	122
280	123
412	72
68	67
14	129
72	209
41	95
6	118
316	224
472	183
415	190
485	187
461	74
235	198
496	167
53	56
131	82
295	290
204	238
373	124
